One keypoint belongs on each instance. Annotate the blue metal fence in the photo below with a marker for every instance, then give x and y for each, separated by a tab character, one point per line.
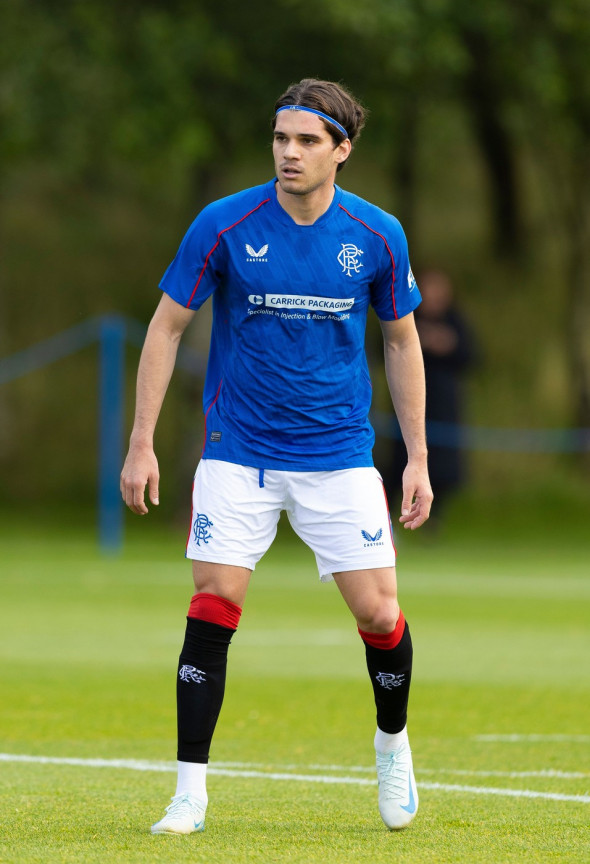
491	439
111	418
112	332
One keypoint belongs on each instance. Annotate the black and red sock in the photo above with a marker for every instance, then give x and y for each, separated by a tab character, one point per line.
200	685
389	661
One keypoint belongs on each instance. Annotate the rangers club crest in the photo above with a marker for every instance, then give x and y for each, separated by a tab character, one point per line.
348	258
201	527
191	675
388	680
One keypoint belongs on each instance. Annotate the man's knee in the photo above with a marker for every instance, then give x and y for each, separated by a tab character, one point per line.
222	580
379	616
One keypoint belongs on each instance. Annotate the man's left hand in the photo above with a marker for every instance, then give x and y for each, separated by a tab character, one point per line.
417	496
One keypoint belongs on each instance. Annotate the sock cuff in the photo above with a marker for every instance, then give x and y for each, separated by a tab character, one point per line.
216	610
385	641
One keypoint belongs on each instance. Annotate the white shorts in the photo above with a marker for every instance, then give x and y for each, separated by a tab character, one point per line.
341	515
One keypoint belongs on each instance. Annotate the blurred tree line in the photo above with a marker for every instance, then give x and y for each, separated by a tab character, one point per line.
119	121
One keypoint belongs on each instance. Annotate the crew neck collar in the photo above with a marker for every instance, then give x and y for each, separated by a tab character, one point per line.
287	219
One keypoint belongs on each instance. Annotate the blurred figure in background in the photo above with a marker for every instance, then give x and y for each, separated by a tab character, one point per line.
448	349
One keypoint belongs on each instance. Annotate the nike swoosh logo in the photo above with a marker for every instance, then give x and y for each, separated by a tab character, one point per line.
410	807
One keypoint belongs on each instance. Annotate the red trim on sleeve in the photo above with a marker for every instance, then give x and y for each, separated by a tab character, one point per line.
386	641
368	227
216	610
212	250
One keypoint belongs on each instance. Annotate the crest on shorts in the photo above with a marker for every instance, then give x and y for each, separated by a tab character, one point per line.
201	527
389	680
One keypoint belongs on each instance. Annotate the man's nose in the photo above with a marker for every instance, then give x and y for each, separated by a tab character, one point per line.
291	149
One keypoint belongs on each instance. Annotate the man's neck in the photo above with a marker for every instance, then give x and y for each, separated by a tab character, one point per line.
306	209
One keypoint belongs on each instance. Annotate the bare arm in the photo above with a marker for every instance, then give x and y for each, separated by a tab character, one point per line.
155	370
404	369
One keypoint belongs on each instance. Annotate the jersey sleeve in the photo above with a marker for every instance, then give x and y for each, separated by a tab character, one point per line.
197	267
394	292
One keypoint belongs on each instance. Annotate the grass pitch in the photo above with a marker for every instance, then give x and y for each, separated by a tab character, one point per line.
498	710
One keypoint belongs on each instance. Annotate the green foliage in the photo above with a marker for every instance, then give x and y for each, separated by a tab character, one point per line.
119	121
87	81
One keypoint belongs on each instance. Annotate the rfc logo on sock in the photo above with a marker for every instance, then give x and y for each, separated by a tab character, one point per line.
389	680
191	675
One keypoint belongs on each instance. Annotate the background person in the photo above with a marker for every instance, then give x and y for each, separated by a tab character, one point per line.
448	349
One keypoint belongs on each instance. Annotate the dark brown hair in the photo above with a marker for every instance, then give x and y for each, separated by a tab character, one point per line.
331	99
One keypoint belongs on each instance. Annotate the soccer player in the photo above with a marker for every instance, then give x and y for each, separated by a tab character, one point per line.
292	267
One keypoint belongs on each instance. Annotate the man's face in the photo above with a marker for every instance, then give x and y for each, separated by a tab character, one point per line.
304	152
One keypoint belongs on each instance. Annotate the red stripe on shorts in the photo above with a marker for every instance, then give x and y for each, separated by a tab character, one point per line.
190	526
389	518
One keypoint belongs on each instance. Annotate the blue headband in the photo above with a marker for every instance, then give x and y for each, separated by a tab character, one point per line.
319	114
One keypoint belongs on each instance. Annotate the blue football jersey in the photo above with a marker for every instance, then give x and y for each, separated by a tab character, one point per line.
287	384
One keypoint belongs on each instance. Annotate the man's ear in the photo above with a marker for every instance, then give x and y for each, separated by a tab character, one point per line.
342	151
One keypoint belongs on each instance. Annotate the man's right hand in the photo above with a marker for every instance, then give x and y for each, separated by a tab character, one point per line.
140	470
